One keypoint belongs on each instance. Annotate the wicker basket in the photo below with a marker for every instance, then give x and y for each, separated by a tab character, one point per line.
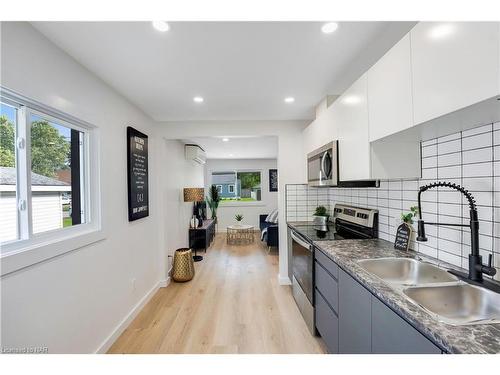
183	268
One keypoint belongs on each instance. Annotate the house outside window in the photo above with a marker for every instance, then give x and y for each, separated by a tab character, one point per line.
238	186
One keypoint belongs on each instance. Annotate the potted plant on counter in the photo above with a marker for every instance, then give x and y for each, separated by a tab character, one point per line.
321	215
405	232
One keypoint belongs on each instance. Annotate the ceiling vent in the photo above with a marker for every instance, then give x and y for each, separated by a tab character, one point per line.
195	154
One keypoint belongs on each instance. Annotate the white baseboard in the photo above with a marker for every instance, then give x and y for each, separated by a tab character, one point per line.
164	283
284	280
103	348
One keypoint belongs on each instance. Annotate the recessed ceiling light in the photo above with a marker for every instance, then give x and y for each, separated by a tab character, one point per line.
289	99
225	139
441	31
352	99
198	99
329	27
231	155
161	26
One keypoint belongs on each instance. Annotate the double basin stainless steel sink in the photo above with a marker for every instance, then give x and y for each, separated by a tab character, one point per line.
437	291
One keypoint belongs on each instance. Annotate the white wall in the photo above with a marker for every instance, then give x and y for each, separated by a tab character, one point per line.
176	173
72	303
291	164
250	210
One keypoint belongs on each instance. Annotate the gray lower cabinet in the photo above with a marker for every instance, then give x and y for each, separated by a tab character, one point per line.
354	316
392	335
351	320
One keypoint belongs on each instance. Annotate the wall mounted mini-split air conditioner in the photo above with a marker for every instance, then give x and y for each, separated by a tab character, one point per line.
195	154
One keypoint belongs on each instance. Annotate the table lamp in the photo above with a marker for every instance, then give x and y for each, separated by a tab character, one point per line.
195	195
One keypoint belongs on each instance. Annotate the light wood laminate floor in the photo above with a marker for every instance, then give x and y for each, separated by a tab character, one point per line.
233	305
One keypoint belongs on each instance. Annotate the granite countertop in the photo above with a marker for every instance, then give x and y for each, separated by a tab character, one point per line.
473	339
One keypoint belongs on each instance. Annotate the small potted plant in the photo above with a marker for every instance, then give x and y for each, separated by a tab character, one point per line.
239	218
321	215
407	221
408	217
213	201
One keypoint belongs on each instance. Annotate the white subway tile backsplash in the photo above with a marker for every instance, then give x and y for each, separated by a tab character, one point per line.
480	184
410	195
448	147
451	247
427	250
450	209
446	160
496	153
478	155
395	194
478	130
484	198
449	137
395	203
430	162
448	172
477	141
431	150
410	185
477	170
430	207
450	234
470	159
429	142
496	137
429	174
454	259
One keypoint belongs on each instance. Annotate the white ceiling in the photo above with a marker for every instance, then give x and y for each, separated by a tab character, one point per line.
243	70
237	147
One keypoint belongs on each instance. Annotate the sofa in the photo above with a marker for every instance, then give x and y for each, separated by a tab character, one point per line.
271	236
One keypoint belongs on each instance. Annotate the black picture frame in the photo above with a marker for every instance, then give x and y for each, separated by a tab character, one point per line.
137	174
273	180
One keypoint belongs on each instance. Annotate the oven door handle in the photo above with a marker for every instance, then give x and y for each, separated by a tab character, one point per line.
300	241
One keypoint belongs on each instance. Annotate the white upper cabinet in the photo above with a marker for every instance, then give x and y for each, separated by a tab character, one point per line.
320	131
390	106
454	65
351	115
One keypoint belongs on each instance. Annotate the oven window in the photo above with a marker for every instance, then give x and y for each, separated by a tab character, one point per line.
302	267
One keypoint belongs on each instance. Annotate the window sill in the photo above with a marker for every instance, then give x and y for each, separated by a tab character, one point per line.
241	204
21	254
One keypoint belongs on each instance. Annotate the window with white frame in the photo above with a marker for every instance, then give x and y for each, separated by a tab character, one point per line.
44	179
238	186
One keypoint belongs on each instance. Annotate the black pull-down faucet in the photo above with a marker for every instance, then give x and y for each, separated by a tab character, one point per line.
476	266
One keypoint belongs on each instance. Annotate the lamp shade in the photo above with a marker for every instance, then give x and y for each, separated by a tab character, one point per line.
194	194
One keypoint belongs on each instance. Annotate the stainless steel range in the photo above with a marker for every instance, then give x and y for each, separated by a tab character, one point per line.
349	223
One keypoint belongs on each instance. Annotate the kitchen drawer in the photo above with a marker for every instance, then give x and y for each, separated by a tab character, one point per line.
326	262
327	324
327	286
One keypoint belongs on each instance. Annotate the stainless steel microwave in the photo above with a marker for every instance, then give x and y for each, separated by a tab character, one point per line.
323	165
